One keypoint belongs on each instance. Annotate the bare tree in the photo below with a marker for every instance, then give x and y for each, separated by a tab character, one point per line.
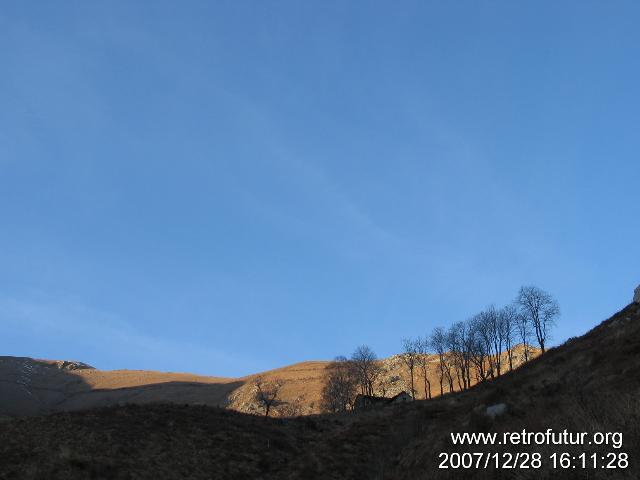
409	357
508	324
439	344
460	346
383	381
423	364
267	392
540	310
482	324
340	386
468	340
496	337
479	348
523	329
365	364
452	351
449	366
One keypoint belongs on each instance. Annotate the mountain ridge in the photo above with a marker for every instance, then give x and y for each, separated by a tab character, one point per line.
34	386
588	384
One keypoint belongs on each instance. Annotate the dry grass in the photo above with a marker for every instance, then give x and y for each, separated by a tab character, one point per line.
588	384
53	389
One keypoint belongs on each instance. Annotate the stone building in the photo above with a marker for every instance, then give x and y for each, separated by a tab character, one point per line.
367	401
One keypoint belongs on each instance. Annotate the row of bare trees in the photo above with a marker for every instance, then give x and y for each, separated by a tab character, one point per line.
415	356
475	349
468	352
347	377
344	379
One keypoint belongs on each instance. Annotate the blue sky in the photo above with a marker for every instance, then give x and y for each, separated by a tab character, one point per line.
227	187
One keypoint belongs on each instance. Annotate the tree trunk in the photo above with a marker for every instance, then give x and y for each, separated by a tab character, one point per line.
413	390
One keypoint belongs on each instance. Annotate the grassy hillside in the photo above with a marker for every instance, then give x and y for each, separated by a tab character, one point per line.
30	387
589	384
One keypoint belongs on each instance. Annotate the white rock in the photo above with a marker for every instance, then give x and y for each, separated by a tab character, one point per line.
636	295
496	410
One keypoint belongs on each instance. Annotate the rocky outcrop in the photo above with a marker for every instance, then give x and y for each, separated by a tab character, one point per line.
69	365
636	295
496	410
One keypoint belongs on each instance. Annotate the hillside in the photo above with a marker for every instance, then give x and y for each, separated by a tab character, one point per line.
588	384
29	386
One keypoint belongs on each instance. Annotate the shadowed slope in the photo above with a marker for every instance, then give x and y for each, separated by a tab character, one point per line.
589	384
31	387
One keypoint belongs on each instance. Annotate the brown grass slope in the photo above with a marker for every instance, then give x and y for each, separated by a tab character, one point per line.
588	384
32	387
29	387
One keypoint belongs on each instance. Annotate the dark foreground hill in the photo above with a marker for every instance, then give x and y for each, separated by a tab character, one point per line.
590	384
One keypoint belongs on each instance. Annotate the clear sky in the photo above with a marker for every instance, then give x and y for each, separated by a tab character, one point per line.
225	187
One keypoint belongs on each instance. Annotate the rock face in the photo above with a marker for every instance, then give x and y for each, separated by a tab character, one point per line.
70	365
636	295
496	410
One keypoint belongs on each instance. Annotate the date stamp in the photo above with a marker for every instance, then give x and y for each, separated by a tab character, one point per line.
535	460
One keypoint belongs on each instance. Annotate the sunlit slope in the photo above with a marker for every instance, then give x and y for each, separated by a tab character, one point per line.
29	386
